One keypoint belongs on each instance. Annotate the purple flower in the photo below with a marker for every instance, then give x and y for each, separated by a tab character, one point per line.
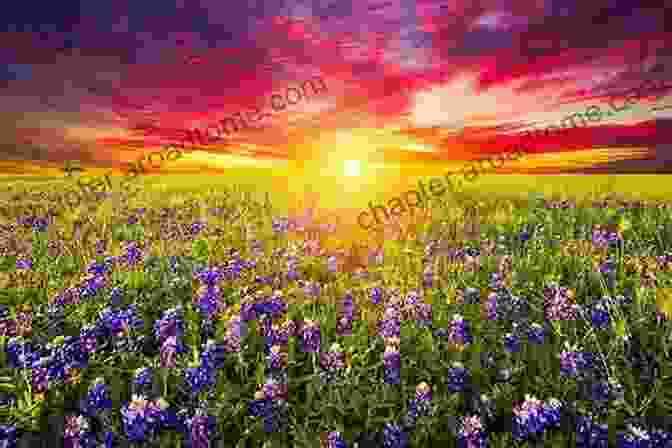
419	406
171	324
471	433
333	440
457	376
511	343
590	434
557	305
8	437
276	360
392	365
394	436
142	380
40	376
458	332
427	277
76	432
280	225
332	264
141	418
375	294
209	277
97	399
310	336
490	306
573	361
24	264
599	316
200	428
423	315
199	378
634	437
168	353
535	334
209	300
390	325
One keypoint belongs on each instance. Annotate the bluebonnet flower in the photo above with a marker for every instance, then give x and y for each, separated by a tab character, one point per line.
8	436
276	360
376	294
199	378
209	301
39	376
169	350
458	332
511	343
600	391
634	437
196	228
551	412
170	324
345	316
412	299
599	316
209	277
132	254
528	419
457	376
394	436
77	433
332	440
118	322
90	286
423	316
310	336
427	277
390	325
236	327
419	406
115	296
332	264
292	273
490	306
660	439
24	264
536	333
471	433
275	306
332	362
280	225
100	246
392	365
260	405
200	428
98	268
97	398
557	304
572	361
269	404
141	418
142	381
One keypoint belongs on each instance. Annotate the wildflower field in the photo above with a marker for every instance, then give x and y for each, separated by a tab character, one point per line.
214	320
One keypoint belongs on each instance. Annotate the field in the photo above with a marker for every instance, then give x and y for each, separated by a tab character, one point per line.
197	314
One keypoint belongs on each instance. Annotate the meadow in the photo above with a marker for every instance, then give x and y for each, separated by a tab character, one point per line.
204	315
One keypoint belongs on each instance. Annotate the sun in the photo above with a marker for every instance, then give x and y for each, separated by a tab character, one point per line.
351	168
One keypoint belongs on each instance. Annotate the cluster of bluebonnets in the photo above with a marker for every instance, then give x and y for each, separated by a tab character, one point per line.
551	330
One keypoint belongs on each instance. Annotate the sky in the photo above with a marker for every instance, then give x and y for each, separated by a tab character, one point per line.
408	83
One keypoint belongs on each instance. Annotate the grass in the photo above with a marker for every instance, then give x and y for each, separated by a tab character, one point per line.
526	276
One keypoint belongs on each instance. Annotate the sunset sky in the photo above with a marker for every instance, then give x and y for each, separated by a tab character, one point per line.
428	83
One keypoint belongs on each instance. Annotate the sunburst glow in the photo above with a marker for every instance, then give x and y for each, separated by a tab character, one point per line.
352	168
